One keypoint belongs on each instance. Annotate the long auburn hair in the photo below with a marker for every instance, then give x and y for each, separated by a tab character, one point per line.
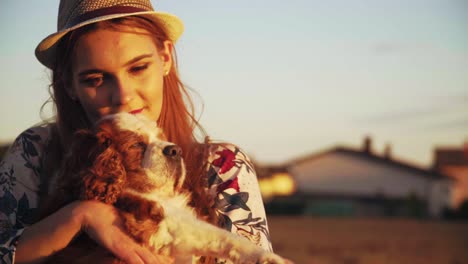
177	118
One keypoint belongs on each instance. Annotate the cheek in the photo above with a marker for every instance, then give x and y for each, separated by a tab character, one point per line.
86	96
153	95
91	101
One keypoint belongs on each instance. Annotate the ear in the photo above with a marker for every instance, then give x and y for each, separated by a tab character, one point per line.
166	56
81	152
77	159
105	179
63	185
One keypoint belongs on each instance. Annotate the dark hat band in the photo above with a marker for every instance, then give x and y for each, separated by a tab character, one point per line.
74	14
113	10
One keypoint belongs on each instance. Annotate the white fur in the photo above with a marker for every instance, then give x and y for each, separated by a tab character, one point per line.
136	123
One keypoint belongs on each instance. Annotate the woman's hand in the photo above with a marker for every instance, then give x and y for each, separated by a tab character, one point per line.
103	224
100	221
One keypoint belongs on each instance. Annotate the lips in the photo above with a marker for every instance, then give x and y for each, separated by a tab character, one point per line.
136	111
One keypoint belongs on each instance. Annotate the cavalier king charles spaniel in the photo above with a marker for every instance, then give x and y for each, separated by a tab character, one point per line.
124	161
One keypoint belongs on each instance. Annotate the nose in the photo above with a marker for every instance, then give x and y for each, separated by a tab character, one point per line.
172	151
122	92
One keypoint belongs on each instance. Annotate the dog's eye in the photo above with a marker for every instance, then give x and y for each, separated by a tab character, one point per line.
138	145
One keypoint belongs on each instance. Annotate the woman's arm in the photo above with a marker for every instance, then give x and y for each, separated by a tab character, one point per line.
49	235
237	193
100	221
20	178
23	240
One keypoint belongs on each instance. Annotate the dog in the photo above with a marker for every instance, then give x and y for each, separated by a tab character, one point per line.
126	162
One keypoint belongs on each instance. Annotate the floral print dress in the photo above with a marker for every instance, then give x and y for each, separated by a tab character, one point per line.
231	180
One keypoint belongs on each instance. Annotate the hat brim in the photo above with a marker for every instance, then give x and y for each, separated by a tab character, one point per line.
46	50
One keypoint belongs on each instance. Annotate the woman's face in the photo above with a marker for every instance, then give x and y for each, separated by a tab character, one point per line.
119	71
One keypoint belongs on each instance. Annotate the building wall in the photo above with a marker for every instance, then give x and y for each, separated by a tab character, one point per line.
342	173
351	175
440	198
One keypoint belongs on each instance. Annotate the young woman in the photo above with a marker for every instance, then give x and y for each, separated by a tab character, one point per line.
111	56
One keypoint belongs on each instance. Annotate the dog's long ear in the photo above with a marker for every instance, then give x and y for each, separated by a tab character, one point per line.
63	185
84	149
105	178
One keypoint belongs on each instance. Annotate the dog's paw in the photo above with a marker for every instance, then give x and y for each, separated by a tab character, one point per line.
271	258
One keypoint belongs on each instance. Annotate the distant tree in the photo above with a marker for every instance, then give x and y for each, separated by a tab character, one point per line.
462	211
414	206
288	205
3	150
449	213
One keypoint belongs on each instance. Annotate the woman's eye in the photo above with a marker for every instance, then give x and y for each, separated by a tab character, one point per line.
139	68
93	81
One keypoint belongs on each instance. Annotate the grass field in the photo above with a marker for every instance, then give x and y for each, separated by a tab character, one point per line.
307	240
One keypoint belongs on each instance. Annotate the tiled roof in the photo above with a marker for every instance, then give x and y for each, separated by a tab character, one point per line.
450	157
369	156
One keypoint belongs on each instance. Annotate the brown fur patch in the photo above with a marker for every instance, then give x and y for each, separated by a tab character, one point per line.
141	216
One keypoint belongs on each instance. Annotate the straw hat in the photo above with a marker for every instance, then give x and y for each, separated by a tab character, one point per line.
74	14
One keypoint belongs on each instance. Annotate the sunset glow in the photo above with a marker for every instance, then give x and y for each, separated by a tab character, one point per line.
279	184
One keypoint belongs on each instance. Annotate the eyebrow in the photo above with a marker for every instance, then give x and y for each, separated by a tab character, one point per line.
143	56
138	58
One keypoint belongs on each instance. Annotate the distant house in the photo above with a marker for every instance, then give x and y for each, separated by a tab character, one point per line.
353	182
453	161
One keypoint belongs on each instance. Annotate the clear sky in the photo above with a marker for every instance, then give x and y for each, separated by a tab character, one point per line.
284	79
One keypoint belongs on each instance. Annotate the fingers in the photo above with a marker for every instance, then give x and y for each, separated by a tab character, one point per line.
148	257
145	255
141	255
130	257
104	225
165	259
125	249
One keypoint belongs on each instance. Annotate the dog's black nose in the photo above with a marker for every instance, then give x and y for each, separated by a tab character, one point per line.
172	151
